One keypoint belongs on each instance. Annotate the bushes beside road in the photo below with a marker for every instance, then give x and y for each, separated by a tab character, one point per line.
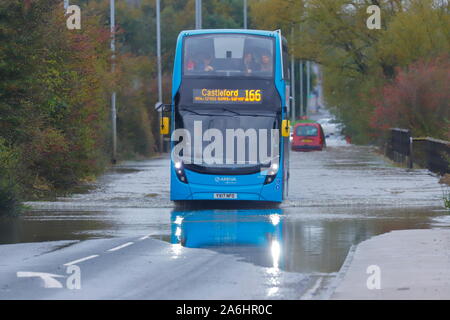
53	109
9	189
55	93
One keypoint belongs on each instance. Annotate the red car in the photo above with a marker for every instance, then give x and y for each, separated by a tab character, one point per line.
308	137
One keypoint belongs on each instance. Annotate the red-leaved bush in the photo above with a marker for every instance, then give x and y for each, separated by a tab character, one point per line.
418	99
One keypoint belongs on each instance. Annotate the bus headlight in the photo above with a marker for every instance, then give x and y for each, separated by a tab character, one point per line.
271	173
178	164
179	170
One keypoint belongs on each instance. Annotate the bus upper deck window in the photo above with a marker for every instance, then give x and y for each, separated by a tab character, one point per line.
228	55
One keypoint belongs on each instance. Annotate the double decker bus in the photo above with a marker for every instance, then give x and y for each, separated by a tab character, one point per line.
228	117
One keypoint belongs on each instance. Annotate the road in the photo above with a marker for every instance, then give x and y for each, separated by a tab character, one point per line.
128	241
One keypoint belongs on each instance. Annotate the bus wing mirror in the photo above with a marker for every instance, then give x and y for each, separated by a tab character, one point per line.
285	128
161	107
164	128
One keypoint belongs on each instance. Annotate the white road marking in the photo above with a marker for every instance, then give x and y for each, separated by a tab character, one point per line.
81	260
145	237
121	246
310	293
49	282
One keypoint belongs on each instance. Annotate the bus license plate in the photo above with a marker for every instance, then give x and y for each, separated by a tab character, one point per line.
225	195
306	140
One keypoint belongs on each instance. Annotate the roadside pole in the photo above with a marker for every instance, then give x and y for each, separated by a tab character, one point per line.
158	57
308	74
293	88
198	14
113	96
301	88
292	81
245	14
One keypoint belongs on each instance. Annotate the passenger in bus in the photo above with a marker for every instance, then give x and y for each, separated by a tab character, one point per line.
190	64
250	65
266	62
205	63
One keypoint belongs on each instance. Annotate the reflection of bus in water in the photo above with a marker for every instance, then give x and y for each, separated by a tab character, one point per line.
230	229
230	94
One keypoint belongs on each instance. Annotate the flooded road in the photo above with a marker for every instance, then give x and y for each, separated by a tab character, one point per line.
337	198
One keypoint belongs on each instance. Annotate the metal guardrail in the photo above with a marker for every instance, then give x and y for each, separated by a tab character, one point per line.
430	153
399	146
433	154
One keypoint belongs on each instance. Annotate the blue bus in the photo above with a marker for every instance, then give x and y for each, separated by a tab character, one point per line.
228	117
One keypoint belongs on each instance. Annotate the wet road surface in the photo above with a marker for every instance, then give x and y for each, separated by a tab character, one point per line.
337	198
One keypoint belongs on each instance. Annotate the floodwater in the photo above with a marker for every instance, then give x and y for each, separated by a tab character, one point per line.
337	198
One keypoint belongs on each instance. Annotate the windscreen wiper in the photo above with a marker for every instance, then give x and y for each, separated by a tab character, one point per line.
194	112
208	114
232	111
247	114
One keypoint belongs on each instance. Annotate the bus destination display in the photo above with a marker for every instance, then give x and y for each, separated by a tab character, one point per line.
227	96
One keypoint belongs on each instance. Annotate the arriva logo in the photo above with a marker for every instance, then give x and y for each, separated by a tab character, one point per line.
225	179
